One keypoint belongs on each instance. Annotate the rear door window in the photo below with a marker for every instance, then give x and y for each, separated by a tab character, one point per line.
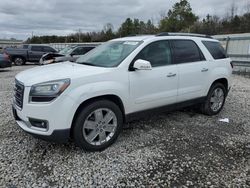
186	51
215	49
37	48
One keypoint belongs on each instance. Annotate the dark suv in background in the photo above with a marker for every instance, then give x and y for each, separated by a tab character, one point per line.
31	53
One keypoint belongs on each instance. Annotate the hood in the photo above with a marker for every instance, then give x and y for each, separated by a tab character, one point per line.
56	72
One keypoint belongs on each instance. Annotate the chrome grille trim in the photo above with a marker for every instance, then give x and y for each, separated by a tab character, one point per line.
18	93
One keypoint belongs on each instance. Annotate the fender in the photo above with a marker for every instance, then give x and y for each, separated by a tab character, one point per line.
92	90
218	73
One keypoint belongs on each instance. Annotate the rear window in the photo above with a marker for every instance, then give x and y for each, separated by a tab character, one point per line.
186	51
215	49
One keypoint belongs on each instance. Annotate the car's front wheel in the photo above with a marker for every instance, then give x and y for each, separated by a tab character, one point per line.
98	125
215	99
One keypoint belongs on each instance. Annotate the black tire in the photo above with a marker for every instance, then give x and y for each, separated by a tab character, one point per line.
18	61
206	107
78	130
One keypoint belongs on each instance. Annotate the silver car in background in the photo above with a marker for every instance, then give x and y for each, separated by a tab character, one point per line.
70	53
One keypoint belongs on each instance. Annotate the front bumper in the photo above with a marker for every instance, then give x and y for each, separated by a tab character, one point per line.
58	136
58	115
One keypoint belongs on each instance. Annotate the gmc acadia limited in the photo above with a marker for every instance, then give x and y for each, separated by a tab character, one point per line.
90	100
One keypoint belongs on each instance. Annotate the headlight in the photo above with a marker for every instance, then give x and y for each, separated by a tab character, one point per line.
48	91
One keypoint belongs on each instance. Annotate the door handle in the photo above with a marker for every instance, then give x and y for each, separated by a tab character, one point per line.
171	75
204	70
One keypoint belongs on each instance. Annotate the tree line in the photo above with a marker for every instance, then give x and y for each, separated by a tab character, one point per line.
180	18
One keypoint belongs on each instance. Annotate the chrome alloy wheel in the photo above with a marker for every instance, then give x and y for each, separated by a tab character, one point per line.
100	126
217	99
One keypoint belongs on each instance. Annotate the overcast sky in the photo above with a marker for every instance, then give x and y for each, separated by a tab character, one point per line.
18	18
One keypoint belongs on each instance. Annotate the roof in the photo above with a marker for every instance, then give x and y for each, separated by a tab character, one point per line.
162	36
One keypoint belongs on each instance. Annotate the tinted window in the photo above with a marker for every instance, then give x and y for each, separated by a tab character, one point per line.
48	49
37	48
25	46
81	50
87	49
157	53
77	51
215	49
186	51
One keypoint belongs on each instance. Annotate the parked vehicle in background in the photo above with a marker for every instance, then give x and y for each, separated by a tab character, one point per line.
30	53
70	53
119	81
5	61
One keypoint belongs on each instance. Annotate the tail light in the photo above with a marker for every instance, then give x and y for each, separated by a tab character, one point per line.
6	56
232	65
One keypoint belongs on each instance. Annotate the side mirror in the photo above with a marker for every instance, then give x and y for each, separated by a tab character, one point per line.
142	65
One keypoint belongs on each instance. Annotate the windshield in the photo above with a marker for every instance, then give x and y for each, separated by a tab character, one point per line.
110	54
66	50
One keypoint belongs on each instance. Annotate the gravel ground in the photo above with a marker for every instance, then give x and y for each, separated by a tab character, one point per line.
177	149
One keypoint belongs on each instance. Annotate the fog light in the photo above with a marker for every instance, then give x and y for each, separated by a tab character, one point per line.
42	124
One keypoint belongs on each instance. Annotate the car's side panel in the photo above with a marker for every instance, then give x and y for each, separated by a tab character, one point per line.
152	88
219	69
192	80
35	55
106	84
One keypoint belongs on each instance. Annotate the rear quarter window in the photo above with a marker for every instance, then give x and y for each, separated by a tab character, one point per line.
215	49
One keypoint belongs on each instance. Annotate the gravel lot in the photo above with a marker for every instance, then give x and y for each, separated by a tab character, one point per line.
177	149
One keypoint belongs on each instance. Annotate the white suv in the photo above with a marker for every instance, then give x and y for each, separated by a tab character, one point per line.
90	100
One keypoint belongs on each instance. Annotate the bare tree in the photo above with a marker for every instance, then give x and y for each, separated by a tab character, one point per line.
247	7
108	27
233	10
162	14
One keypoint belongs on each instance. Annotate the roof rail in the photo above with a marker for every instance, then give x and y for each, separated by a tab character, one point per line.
135	35
183	34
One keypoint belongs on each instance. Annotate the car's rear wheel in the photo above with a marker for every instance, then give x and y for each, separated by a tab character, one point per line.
19	61
215	99
98	125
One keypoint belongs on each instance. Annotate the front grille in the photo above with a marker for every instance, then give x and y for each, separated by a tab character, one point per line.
18	94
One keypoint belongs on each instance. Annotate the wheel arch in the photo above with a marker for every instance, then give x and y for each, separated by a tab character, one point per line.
114	98
16	56
223	81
